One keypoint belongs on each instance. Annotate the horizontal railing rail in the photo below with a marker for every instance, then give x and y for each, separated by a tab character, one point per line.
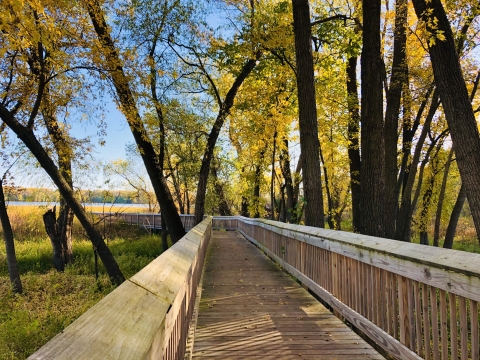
147	317
154	221
414	301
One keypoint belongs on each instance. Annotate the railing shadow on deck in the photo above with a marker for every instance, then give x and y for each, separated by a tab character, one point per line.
414	301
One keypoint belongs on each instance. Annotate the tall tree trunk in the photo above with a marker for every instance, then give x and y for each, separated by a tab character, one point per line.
427	199
9	245
53	232
309	144
223	207
405	212
441	197
244	206
298	212
272	181
256	192
225	107
331	206
456	103
127	102
372	132
452	224
176	184
354	141
394	95
282	212
409	129
28	138
64	223
287	176
407	225
257	182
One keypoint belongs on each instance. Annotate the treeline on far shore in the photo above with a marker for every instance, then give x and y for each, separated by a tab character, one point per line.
91	196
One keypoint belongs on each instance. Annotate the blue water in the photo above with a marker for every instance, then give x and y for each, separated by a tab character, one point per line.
51	204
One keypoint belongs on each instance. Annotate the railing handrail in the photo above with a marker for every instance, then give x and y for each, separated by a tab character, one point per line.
147	316
447	261
412	300
397	293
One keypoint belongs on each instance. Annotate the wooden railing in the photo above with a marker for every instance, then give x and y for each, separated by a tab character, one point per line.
154	221
147	317
414	301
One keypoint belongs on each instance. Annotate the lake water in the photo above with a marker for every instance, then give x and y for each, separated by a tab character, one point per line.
87	205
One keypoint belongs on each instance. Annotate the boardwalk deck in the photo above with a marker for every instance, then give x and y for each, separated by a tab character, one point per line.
251	309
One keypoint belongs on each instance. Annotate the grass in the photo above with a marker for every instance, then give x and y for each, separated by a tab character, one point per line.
52	300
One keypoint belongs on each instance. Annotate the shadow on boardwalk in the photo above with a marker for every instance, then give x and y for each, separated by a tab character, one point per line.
251	309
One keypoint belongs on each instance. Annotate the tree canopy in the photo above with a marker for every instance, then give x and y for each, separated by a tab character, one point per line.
217	93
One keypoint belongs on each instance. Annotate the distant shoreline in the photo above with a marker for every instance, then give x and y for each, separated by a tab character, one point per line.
51	204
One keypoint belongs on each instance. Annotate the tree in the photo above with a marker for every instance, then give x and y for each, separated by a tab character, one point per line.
397	83
114	67
455	99
372	138
13	271
32	62
354	141
308	125
133	175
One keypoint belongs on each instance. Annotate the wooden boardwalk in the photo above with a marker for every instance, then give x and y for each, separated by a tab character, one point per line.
251	309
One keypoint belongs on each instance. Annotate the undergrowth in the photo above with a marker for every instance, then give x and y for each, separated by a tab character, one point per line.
52	300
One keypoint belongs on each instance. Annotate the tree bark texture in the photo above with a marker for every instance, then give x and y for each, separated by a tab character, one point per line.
309	144
53	232
354	141
456	103
272	180
28	138
409	131
223	207
441	197
452	224
64	153
125	97
372	132
394	95
290	202
257	182
405	211
426	201
13	271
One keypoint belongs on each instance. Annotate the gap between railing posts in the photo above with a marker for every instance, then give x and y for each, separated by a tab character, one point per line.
147	317
414	301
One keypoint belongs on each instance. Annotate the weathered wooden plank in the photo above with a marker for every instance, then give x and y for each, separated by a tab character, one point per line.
418	318
474	326
463	327
146	316
434	310
442	268
266	317
443	324
110	329
453	326
426	321
391	345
